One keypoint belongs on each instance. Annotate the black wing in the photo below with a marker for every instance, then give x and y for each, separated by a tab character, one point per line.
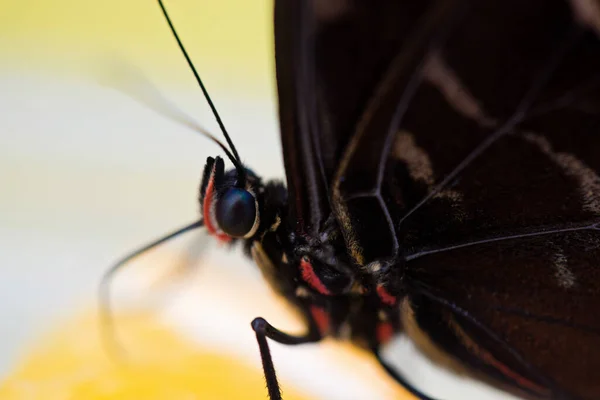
329	57
504	261
299	119
489	180
363	205
507	275
521	311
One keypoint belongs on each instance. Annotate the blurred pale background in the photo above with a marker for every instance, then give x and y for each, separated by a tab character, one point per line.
88	174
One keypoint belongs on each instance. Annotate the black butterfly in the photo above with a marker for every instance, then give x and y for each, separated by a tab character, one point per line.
442	163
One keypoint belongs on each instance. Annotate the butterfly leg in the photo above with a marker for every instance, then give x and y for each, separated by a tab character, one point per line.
265	331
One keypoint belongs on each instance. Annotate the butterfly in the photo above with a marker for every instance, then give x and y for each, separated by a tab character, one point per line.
442	167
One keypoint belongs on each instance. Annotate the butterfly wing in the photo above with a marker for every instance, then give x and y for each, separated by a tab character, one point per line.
506	275
502	260
382	101
329	59
520	311
362	201
298	115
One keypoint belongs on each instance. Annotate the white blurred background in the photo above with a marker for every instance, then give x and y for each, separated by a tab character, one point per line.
86	173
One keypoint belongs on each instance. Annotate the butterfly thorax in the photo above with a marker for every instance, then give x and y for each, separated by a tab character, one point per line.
318	278
312	272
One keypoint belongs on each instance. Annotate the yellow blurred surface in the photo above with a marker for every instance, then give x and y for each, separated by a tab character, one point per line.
229	40
71	364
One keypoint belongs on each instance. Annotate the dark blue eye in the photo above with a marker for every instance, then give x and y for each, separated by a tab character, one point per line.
236	212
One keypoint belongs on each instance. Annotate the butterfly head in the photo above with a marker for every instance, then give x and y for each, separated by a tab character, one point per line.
230	206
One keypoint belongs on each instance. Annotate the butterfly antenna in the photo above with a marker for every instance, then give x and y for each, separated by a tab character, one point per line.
107	326
238	164
133	83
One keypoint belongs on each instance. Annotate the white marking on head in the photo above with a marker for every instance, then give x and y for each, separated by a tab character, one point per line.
256	223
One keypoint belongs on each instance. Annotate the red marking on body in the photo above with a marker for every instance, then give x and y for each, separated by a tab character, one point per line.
385	296
384	332
321	319
309	276
206	206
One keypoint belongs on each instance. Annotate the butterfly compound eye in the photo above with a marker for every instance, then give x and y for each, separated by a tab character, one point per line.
236	213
